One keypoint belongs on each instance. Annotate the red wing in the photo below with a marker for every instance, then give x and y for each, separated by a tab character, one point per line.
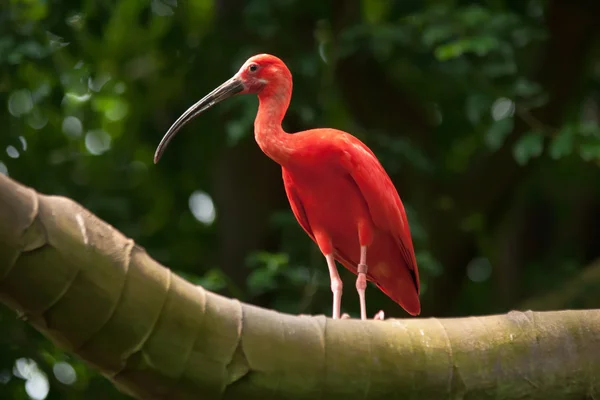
296	203
300	214
381	196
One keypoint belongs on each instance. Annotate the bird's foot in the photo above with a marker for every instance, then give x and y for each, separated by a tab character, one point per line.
379	316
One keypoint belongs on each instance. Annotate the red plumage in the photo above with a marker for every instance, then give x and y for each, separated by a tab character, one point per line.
338	190
335	181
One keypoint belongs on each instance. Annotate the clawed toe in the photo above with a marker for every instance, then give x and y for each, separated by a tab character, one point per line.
380	316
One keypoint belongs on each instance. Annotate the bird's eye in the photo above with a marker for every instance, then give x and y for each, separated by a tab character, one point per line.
252	67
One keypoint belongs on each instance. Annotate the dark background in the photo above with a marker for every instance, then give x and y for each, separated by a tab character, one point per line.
485	114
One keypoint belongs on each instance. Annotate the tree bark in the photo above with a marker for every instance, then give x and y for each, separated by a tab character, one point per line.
97	294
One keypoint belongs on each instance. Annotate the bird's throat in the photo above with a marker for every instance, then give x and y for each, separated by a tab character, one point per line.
270	136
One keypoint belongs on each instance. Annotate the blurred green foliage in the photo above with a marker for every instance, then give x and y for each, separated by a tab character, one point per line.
485	114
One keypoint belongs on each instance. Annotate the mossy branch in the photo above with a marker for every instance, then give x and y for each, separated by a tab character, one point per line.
95	293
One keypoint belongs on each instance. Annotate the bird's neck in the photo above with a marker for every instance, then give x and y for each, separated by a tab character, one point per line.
269	134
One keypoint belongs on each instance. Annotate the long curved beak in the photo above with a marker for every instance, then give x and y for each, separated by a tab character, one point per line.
228	89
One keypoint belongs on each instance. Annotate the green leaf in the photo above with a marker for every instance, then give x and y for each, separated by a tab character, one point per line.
589	129
480	45
498	69
529	146
483	45
590	150
266	268
435	34
214	279
161	9
427	262
375	11
497	133
476	105
6	45
114	108
474	15
562	144
450	50
261	280
526	88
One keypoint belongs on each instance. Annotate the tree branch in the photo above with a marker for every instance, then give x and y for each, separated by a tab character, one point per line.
95	293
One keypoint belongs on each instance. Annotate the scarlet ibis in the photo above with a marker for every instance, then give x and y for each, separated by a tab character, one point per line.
337	188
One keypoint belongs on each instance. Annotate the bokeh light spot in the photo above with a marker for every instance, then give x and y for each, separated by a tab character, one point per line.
161	9
120	88
97	142
55	42
5	377
36	385
74	98
23	143
37	119
65	373
479	269
502	108
97	83
203	208
12	152
118	110
323	52
20	102
75	21
72	126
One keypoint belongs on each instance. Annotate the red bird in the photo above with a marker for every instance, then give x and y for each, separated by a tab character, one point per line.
339	192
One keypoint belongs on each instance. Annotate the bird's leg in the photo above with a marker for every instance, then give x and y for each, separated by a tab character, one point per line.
336	286
361	281
365	238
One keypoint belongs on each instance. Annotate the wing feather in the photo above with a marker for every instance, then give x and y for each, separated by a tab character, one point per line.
300	214
381	196
296	203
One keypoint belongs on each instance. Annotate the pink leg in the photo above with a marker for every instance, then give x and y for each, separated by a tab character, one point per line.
361	282
336	286
361	286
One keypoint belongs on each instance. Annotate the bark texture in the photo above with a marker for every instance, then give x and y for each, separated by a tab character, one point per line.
97	294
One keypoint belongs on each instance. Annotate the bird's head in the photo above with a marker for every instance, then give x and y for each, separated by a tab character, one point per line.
262	74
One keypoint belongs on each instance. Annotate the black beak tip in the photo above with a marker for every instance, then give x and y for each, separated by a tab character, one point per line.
226	90
157	154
